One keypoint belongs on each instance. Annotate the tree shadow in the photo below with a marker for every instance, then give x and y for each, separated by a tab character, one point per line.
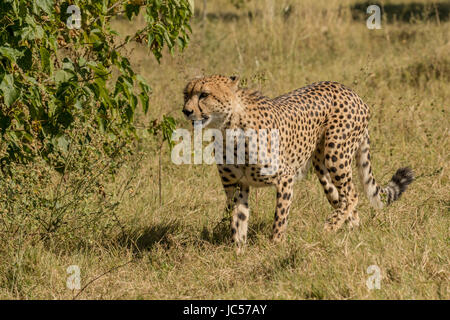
405	12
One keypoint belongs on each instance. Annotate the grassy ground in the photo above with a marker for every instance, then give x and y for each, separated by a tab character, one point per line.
180	249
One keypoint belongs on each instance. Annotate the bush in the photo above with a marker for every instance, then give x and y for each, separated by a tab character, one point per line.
68	98
38	202
52	73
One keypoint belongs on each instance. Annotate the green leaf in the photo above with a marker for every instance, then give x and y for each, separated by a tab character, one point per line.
131	9
98	68
45	5
62	76
31	31
168	125
10	94
63	144
144	101
45	60
10	53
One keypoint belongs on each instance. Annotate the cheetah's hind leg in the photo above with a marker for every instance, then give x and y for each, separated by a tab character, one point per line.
339	166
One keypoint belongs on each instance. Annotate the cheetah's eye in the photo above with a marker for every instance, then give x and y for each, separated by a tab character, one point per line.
203	95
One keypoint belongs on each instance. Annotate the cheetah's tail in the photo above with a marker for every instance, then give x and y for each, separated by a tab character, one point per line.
380	196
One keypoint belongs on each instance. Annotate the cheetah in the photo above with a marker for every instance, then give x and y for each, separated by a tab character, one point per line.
324	123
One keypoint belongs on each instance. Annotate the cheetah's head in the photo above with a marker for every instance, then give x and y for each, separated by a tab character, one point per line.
211	100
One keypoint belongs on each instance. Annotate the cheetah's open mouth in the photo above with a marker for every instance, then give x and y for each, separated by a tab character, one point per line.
203	123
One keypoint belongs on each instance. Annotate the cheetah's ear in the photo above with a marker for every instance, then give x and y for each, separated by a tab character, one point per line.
235	81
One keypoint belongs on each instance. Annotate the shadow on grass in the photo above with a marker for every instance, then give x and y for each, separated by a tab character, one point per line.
221	233
405	12
146	238
260	227
172	233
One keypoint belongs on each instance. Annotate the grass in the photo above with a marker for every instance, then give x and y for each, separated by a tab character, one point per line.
180	249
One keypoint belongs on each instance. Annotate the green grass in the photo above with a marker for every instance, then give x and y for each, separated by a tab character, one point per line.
181	249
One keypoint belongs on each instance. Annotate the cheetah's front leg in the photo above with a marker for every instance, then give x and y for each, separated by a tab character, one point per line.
285	189
238	203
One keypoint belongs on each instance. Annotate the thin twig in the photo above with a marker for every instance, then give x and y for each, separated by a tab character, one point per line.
159	175
98	277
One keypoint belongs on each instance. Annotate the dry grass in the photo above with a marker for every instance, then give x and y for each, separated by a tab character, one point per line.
180	249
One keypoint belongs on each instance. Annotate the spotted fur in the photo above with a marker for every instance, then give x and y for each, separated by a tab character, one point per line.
324	123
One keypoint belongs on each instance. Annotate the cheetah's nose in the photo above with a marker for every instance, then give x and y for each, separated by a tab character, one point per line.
187	113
